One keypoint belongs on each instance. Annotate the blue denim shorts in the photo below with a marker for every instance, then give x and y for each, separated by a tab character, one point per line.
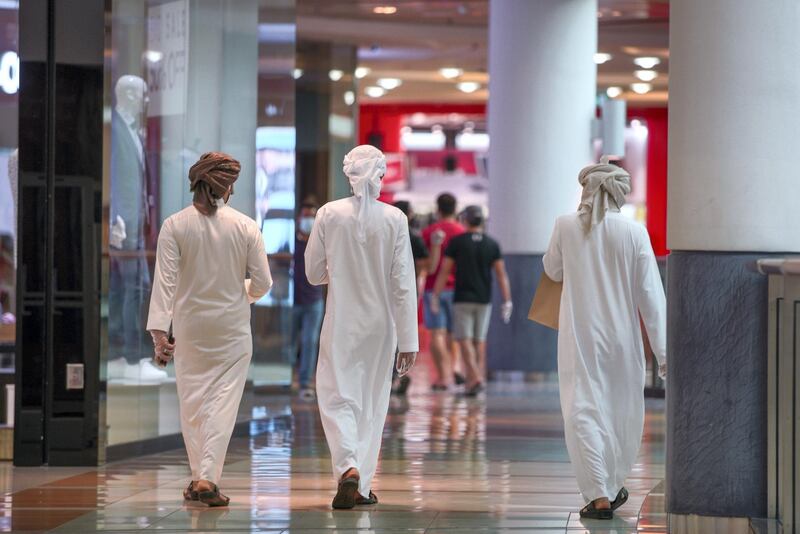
444	319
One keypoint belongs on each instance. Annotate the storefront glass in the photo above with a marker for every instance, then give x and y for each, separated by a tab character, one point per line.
9	87
187	77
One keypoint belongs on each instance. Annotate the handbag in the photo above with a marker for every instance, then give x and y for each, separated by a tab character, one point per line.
546	302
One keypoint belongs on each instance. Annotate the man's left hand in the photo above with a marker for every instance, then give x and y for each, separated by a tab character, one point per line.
405	361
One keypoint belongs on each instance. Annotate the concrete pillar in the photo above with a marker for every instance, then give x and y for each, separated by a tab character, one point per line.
734	121
541	105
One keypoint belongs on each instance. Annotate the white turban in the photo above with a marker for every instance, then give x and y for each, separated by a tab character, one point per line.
364	166
604	189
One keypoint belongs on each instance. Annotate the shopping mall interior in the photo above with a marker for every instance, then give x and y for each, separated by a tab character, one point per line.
106	106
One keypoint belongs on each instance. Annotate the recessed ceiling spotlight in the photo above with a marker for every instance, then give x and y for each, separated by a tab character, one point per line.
647	62
374	92
646	75
153	56
362	72
384	10
468	87
296	73
335	75
641	88
451	72
349	98
601	57
390	83
613	92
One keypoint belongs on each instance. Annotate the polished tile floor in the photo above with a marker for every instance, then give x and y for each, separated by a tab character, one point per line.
449	464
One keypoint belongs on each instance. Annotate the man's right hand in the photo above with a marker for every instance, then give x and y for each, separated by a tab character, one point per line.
163	349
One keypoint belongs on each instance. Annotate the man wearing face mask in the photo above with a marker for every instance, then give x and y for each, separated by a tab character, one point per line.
308	306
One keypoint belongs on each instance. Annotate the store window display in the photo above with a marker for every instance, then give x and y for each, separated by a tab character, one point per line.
187	77
9	195
129	270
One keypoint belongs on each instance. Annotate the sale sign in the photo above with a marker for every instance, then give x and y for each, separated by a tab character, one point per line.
167	57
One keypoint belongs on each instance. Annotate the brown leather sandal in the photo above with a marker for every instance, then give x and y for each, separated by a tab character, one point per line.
190	494
345	498
366	501
213	498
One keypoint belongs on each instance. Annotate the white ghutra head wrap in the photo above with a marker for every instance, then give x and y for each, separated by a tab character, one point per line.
364	166
604	189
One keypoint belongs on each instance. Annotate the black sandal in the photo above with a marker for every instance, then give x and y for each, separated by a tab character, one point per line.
346	494
213	498
190	494
366	501
590	512
622	498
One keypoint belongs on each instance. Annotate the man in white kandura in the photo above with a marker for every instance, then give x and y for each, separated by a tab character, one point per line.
610	279
204	254
360	247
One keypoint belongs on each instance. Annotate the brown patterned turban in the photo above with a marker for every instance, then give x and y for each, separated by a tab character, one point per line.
211	178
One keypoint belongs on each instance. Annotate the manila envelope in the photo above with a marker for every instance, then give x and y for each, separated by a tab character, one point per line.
546	303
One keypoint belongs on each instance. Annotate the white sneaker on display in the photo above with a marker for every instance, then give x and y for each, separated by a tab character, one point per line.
145	371
117	369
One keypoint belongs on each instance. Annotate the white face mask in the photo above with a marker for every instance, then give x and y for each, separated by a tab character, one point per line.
305	225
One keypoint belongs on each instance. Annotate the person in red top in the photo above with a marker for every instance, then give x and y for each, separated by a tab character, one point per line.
437	236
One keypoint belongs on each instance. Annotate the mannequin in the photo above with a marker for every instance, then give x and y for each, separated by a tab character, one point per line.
130	274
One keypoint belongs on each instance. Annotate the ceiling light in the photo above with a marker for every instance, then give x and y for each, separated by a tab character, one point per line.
647	62
641	88
296	73
349	98
646	75
451	72
374	92
613	92
362	72
153	56
601	57
468	87
335	75
384	10
390	83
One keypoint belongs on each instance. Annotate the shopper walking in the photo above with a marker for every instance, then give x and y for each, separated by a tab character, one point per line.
203	254
308	305
419	252
360	248
474	256
610	279
437	237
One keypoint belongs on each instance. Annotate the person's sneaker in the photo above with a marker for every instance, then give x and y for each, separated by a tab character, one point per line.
146	372
116	368
307	394
475	390
459	379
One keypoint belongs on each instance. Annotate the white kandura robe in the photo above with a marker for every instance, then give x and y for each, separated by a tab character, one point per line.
200	285
371	312
610	277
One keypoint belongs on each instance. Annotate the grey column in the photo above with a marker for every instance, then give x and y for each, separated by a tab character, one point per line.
733	190
541	104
